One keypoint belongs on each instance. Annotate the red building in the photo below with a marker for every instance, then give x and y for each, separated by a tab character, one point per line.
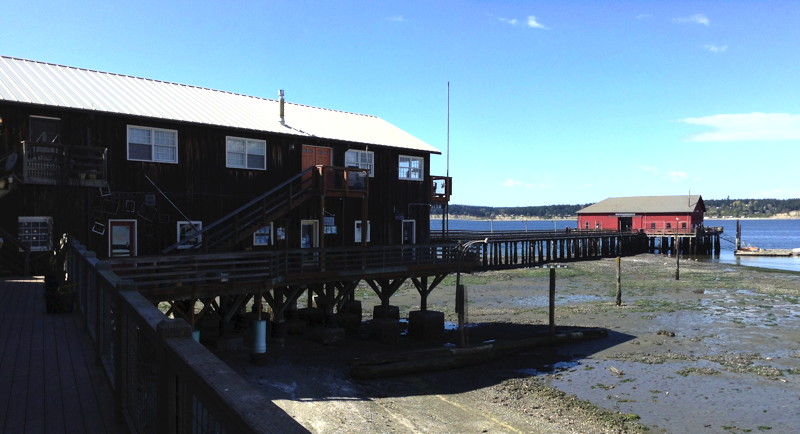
651	214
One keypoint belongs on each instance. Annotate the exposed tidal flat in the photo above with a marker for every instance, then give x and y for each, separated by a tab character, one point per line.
716	351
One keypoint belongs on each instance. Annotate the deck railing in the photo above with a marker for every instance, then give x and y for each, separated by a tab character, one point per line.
46	163
281	267
161	378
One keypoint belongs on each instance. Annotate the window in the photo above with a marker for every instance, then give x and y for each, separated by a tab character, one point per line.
36	233
245	153
44	130
668	225
263	236
152	144
410	168
683	225
652	225
358	231
185	230
360	159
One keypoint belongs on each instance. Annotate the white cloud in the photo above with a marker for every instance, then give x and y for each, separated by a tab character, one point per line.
395	19
533	23
643	16
512	21
715	48
694	19
749	126
676	176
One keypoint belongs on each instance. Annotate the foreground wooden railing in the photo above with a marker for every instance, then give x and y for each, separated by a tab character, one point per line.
163	381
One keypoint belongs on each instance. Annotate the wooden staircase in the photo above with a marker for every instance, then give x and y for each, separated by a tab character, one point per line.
240	223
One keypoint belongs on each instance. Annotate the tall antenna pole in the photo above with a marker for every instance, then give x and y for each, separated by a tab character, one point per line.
448	129
446	210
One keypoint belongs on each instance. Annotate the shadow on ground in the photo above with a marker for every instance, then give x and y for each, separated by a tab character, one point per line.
305	370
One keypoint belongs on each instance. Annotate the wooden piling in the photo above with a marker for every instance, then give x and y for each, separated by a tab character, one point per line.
552	301
619	281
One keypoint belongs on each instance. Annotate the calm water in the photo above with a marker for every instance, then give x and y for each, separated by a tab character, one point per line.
766	234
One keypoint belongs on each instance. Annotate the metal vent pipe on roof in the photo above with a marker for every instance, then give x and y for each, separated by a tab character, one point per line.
281	101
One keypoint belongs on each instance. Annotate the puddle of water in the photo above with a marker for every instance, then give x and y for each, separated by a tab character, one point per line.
707	400
544	301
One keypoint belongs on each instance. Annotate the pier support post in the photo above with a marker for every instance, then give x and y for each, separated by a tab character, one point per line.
552	304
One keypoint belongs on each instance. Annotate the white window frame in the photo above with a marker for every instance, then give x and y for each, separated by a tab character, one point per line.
247	143
181	224
368	165
406	172
357	227
35	140
260	233
152	144
36	232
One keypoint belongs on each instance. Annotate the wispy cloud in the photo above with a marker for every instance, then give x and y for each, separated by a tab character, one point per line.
395	19
512	21
643	16
694	19
747	127
676	176
715	48
533	23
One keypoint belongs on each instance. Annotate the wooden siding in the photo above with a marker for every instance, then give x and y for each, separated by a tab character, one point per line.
200	185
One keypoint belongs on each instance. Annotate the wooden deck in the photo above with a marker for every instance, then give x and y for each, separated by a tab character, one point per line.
49	381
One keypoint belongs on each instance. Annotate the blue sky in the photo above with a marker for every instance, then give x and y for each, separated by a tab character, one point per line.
551	102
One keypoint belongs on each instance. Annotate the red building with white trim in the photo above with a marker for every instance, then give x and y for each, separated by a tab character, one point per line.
653	215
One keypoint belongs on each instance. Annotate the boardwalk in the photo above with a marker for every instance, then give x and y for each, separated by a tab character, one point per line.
48	380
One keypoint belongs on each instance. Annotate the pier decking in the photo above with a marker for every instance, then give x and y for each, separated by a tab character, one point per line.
49	380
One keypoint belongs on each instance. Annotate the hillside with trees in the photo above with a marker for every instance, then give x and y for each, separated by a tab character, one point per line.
716	208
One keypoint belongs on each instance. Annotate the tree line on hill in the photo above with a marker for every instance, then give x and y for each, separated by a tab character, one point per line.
735	208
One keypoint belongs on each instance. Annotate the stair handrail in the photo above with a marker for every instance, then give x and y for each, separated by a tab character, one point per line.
237	211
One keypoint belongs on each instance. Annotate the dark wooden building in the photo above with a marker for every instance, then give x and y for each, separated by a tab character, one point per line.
132	166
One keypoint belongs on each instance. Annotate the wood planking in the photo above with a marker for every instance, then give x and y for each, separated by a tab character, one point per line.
49	382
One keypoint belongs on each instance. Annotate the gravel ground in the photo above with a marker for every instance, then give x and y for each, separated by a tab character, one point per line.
716	351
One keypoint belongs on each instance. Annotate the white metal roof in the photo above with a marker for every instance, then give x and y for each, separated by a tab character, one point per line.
647	204
32	82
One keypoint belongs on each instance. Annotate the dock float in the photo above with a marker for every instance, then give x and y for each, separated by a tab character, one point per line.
767	252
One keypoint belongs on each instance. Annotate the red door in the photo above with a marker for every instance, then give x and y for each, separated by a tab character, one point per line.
316	156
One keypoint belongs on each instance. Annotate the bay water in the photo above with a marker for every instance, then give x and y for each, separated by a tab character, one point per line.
763	233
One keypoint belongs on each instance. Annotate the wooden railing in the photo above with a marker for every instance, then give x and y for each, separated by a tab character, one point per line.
162	379
441	188
462	235
45	163
149	273
14	254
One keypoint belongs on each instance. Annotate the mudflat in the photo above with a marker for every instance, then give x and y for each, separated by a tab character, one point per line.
716	351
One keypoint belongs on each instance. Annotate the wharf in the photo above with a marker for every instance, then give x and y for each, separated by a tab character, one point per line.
767	252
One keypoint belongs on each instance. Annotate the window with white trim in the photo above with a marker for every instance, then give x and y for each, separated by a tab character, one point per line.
44	129
361	160
152	144
263	236
36	233
185	230
411	168
241	153
358	230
